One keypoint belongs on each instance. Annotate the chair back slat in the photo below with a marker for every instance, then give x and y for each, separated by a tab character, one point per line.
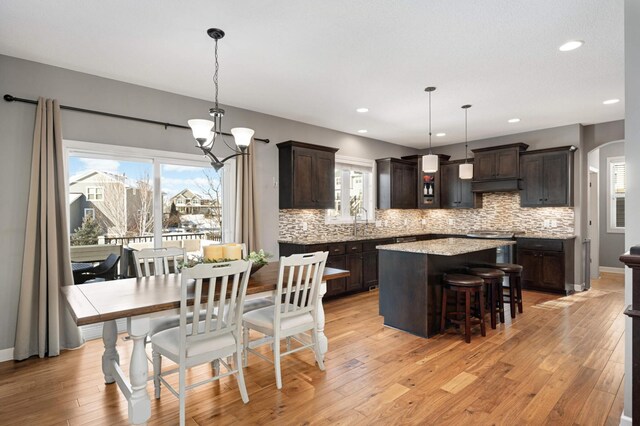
303	277
217	297
158	259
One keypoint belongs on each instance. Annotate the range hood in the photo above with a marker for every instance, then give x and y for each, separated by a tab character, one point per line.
505	185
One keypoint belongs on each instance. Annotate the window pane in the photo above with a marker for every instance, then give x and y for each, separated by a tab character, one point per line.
337	211
619	212
356	192
191	205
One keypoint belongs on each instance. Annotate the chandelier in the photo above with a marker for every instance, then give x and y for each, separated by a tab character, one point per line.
207	132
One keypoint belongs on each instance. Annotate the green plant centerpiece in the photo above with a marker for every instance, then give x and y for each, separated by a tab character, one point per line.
259	259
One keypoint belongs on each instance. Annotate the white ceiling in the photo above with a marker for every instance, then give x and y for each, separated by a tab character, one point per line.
317	61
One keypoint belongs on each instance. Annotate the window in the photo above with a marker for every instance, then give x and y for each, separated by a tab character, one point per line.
95	193
353	190
136	188
616	194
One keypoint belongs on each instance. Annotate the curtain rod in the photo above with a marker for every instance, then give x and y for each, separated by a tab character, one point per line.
10	98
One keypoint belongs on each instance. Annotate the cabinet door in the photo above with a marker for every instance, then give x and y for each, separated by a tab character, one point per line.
324	175
484	166
339	286
552	271
370	269
303	179
354	264
449	189
531	265
507	164
403	186
555	179
531	167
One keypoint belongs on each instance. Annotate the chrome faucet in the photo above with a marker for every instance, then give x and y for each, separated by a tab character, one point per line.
355	221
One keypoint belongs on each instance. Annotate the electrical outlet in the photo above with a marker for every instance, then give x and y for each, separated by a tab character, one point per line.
378	223
406	222
304	226
545	223
275	182
554	223
386	223
423	221
450	221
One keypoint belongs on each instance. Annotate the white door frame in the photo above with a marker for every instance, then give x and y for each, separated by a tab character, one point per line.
593	221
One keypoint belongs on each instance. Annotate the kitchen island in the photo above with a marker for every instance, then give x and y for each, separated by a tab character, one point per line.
410	278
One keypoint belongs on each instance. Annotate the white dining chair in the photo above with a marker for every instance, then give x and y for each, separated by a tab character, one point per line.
208	339
295	311
155	261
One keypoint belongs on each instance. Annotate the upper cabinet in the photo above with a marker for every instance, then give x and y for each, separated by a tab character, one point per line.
498	162
455	193
307	176
428	183
547	177
397	184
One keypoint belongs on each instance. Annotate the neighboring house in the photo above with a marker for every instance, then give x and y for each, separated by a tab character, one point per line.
189	202
121	208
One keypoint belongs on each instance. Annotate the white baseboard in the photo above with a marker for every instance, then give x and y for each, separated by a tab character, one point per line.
94	331
625	420
611	270
578	287
6	354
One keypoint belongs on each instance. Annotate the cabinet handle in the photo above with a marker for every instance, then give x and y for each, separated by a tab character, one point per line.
336	250
540	199
546	199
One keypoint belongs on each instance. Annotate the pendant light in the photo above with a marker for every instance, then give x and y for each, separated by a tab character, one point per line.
430	161
207	132
466	169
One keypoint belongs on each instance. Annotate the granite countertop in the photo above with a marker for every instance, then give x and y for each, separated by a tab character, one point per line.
447	246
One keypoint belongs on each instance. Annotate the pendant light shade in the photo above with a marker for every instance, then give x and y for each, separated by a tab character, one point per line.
242	136
430	161
465	170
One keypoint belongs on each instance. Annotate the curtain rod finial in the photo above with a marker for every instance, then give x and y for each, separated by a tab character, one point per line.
9	98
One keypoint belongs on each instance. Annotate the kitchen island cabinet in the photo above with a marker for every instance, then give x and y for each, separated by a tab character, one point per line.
410	278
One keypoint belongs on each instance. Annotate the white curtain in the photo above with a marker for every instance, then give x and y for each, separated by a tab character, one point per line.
44	324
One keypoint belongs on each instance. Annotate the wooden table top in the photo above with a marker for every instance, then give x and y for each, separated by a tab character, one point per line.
109	300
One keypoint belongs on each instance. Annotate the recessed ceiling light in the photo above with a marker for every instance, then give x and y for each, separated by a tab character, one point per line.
571	45
362	110
611	101
514	120
441	134
362	131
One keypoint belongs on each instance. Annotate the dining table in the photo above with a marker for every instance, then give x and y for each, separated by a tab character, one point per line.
140	299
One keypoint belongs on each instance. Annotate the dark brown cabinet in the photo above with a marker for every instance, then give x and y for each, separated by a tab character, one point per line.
428	183
547	178
455	193
547	265
397	184
500	162
307	176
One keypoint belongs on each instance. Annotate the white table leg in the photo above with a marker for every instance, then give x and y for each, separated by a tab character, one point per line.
324	342
139	402
110	355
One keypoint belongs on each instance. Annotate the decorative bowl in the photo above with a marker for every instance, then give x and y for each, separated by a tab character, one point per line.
255	268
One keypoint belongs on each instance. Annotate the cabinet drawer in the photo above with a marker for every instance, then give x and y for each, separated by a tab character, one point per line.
535	244
335	249
354	247
317	247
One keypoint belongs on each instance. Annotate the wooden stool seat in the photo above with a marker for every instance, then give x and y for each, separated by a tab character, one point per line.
508	268
469	286
493	279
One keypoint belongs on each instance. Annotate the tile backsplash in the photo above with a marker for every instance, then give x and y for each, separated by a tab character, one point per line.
500	211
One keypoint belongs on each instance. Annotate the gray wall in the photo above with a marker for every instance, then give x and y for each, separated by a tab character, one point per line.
29	80
611	243
632	157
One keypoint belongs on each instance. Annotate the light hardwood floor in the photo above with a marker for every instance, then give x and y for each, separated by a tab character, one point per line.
561	362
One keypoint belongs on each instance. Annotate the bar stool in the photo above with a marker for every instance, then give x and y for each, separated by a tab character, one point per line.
469	286
493	279
514	272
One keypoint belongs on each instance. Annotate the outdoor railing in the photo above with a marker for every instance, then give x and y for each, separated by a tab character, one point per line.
213	236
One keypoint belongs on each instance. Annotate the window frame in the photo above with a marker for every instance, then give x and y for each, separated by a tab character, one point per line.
612	196
87	210
95	193
157	159
369	190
